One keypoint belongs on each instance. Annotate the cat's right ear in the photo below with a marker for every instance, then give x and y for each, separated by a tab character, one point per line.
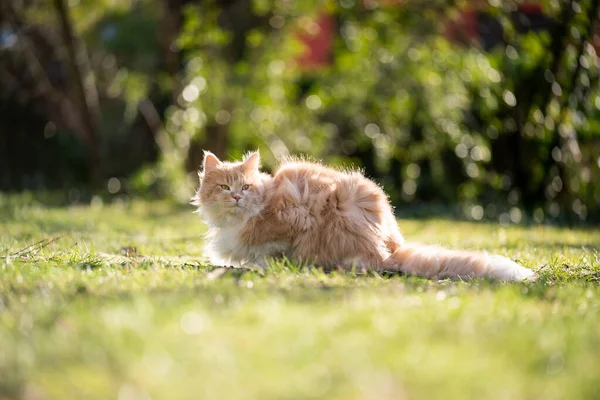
251	162
210	161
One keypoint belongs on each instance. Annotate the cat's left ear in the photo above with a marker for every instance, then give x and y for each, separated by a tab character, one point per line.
251	162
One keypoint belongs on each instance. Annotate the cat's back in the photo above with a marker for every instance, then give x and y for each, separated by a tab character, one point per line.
310	195
307	182
305	175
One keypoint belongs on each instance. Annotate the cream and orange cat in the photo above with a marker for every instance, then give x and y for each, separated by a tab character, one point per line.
314	214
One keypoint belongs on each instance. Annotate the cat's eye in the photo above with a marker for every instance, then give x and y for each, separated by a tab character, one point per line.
224	187
245	187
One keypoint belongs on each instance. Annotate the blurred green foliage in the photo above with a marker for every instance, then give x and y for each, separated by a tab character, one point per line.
508	131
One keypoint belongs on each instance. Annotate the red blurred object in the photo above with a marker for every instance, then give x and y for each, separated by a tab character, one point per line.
464	29
366	3
318	42
530	8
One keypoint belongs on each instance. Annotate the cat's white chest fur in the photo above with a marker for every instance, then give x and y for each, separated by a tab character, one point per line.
225	247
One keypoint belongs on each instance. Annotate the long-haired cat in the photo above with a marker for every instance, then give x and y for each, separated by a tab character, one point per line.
311	213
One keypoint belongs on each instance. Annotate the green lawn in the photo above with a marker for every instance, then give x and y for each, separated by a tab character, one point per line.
116	302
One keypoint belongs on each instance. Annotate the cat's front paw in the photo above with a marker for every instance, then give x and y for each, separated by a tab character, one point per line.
259	263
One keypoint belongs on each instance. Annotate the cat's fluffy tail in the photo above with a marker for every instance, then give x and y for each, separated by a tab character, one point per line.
433	261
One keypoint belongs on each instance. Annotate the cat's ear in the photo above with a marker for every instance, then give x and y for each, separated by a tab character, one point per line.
251	162
210	161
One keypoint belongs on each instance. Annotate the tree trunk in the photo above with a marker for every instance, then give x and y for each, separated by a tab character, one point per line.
92	137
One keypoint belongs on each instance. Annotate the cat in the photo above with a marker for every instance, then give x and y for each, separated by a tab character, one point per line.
314	214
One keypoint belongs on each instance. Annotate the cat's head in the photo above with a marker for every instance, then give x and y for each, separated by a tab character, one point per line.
230	192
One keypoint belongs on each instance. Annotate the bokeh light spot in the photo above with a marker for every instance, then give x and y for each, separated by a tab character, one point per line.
372	130
193	323
509	98
313	102
114	185
190	93
409	187
477	212
222	117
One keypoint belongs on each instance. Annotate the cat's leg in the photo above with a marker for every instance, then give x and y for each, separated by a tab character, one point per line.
260	255
340	246
258	263
216	259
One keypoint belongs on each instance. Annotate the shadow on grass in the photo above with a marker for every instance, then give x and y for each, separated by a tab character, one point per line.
454	213
555	246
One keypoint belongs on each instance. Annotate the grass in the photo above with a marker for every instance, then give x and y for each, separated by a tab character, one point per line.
116	302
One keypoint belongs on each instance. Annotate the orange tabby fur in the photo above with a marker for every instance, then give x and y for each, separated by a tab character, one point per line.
315	214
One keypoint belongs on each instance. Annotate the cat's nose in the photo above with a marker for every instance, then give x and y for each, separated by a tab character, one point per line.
236	197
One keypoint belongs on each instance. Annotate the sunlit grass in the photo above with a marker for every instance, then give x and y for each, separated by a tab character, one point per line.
117	302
